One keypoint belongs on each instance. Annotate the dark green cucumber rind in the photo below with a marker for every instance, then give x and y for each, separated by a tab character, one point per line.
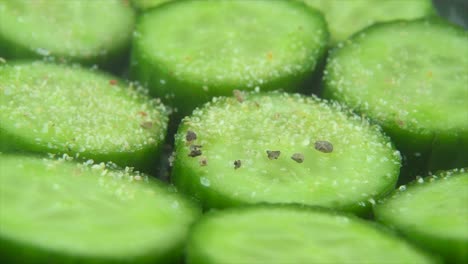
454	250
188	180
186	94
196	253
142	158
14	250
110	57
423	150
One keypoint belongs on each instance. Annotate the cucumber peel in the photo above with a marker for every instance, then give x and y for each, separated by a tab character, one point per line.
269	147
66	212
48	108
293	234
432	212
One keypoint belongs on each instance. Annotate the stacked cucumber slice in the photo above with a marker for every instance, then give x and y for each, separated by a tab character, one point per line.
282	148
61	212
91	32
292	234
49	108
190	51
416	87
432	212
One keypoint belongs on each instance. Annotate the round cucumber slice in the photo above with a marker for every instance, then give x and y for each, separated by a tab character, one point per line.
282	148
53	210
50	108
432	212
344	18
92	32
190	51
410	77
289	234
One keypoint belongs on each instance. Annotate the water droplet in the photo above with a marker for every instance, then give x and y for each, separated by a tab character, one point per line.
205	182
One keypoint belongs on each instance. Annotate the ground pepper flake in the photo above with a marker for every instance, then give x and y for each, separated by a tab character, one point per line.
237	164
146	125
323	146
195	150
142	113
239	96
273	154
203	162
190	136
298	157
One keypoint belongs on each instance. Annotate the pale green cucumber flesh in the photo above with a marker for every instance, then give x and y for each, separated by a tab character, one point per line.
363	164
289	234
432	212
52	108
190	51
410	77
83	31
80	212
345	18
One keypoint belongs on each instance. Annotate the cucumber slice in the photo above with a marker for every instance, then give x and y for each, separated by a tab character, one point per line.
282	148
92	32
344	18
190	51
411	77
62	212
48	108
432	212
292	234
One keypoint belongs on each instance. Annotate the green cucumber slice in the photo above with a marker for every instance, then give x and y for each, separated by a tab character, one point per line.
432	212
190	51
292	234
92	32
272	147
48	108
411	77
62	212
344	18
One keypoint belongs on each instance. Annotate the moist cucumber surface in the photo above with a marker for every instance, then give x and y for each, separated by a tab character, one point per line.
190	51
344	18
432	212
50	108
84	31
410	77
54	210
282	148
290	234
